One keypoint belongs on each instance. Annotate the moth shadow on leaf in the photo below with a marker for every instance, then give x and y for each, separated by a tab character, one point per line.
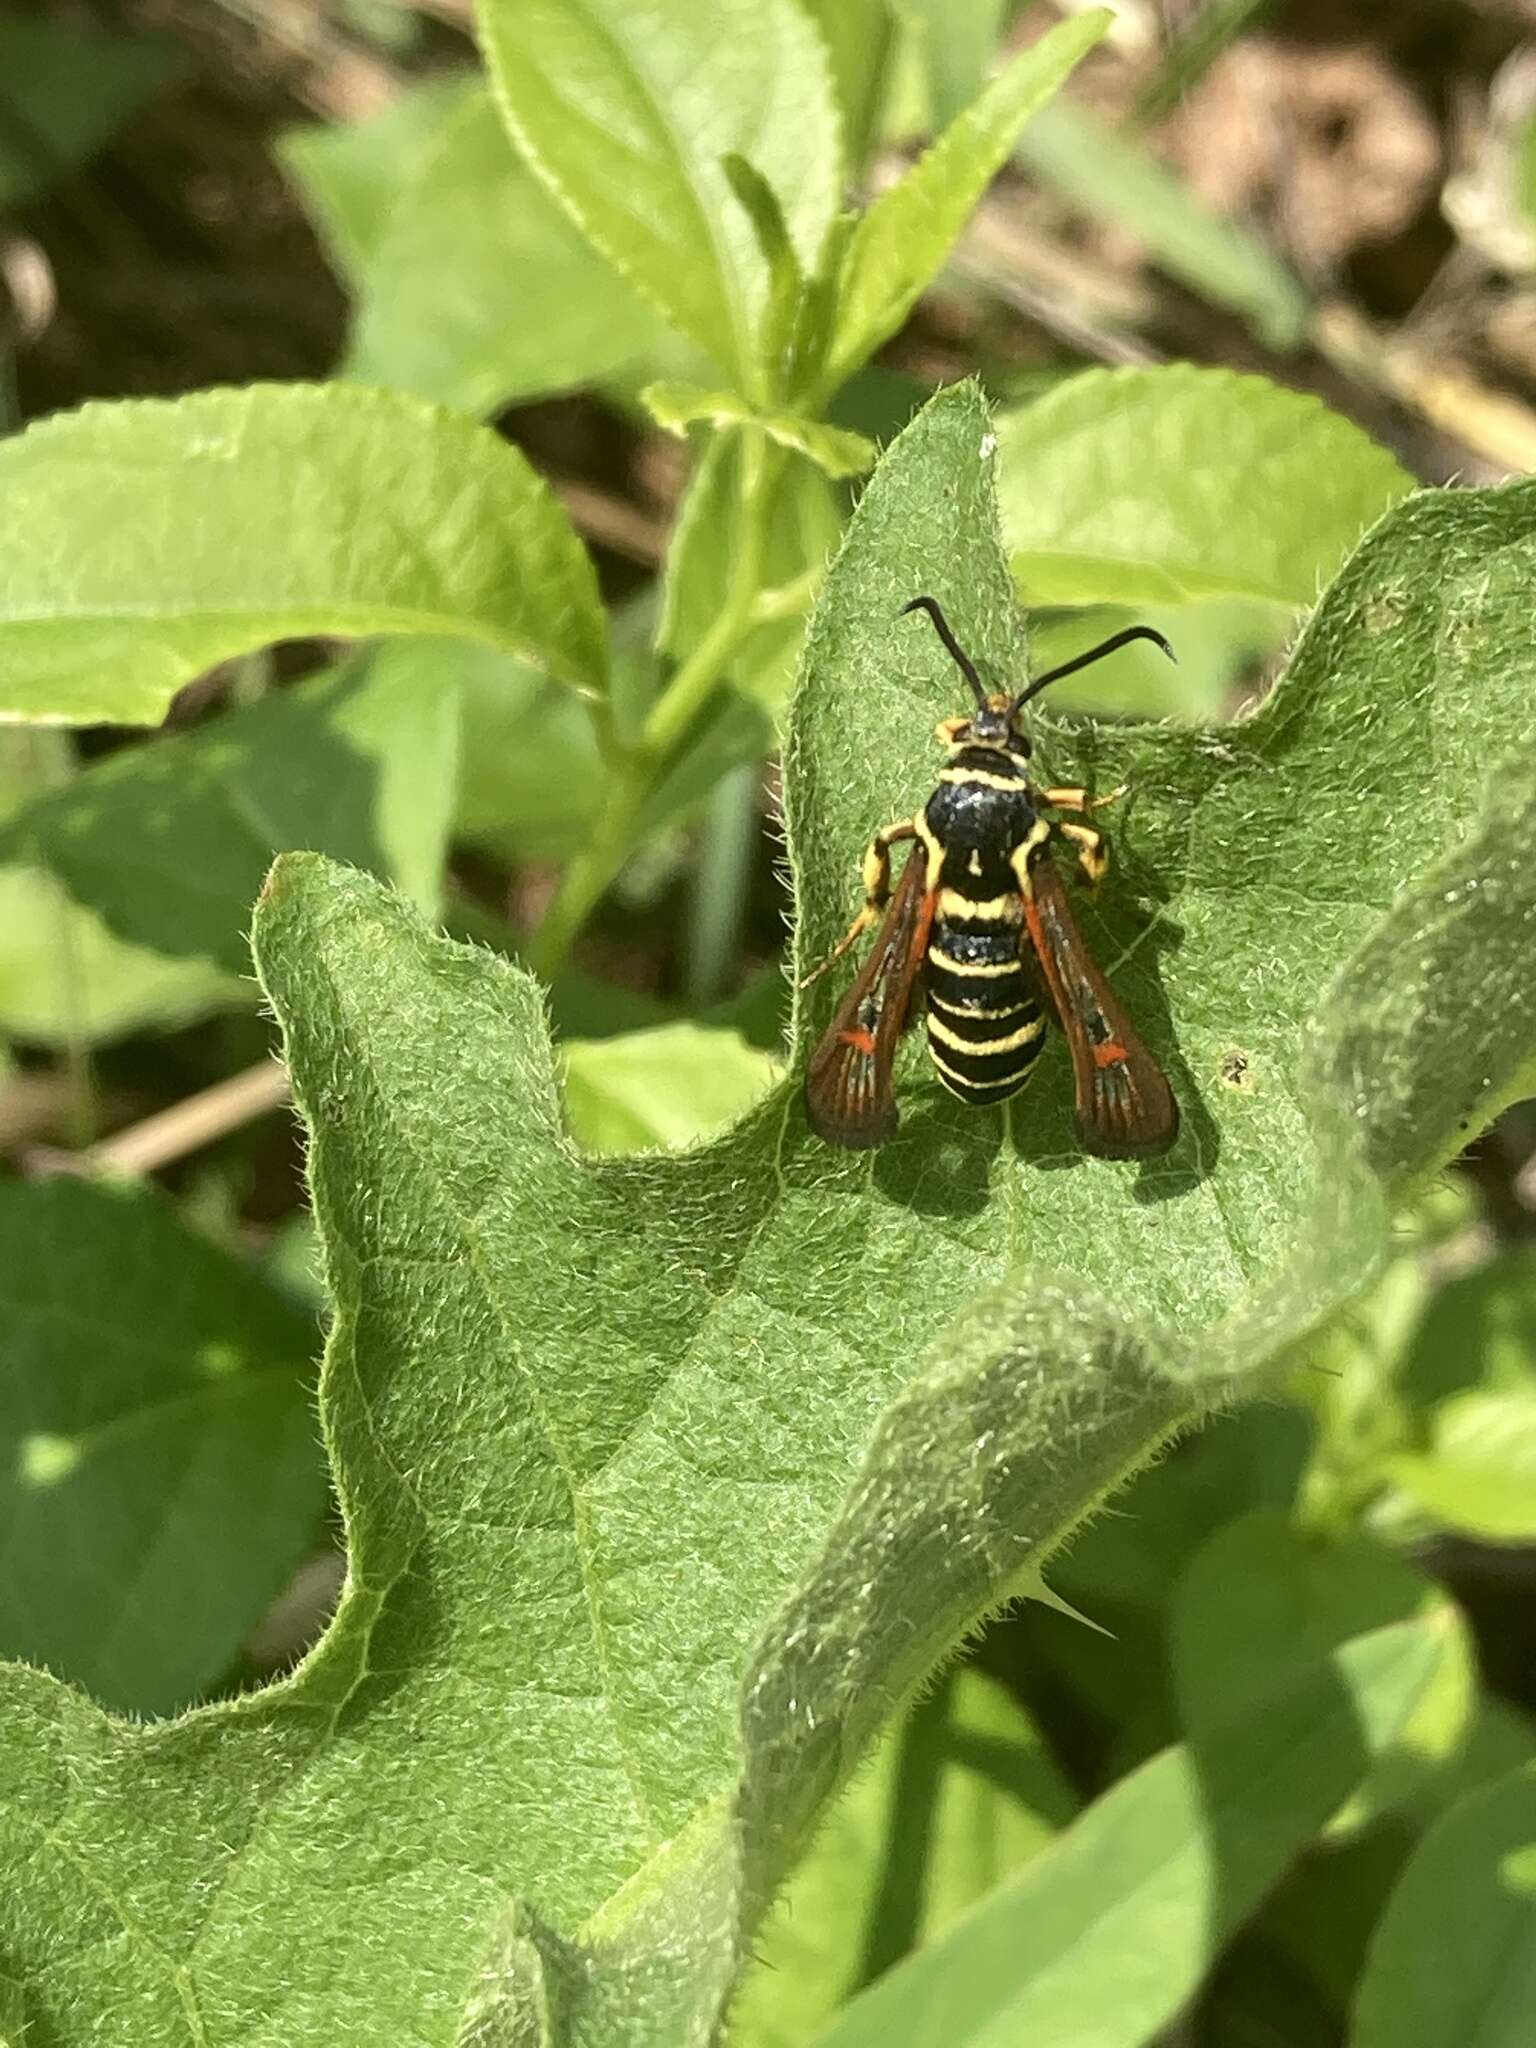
941	1161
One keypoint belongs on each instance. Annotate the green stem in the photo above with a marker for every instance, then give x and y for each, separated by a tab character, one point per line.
637	771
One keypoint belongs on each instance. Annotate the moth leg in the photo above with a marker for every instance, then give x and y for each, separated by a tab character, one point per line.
877	892
1092	848
1076	798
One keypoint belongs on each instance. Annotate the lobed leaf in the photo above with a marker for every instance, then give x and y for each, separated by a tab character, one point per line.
667	1480
898	246
627	113
161	1474
1136	487
152	540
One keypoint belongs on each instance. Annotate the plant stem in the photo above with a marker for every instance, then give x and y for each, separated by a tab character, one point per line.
637	771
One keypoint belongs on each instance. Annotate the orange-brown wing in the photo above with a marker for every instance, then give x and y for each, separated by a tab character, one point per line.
848	1094
1125	1107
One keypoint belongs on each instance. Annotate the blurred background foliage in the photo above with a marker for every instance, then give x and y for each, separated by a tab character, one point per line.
1339	198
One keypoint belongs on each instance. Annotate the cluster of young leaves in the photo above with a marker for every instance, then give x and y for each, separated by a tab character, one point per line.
667	1479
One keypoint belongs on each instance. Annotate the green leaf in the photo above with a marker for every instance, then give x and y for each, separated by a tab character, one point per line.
668	1479
1476	1332
958	1794
627	113
958	41
1164	486
1479	1474
169	842
531	779
1107	1933
670	1086
63	975
1454	1958
1262	1599
677	406
65	92
858	35
1112	177
804	526
149	541
901	242
479	291
350	175
161	1475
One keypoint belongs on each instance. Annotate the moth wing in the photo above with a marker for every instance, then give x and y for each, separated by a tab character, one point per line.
848	1093
1125	1107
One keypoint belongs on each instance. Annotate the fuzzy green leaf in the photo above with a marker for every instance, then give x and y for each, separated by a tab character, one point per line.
901	242
149	541
159	1474
676	406
1138	487
627	112
1453	1960
1105	1935
480	291
170	842
668	1479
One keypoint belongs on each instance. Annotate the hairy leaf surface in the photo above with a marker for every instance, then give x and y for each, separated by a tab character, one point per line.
668	1479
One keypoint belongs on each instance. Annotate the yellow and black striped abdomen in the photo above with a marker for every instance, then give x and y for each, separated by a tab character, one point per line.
985	1026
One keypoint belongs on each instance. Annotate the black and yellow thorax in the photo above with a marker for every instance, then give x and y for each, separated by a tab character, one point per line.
978	829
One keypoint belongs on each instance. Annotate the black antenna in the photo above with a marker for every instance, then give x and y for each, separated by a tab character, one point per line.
961	659
1070	668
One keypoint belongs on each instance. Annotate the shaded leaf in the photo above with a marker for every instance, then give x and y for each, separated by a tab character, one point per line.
169	842
1261	1599
64	975
64	92
960	1792
858	36
151	540
1108	1932
161	1474
1454	1958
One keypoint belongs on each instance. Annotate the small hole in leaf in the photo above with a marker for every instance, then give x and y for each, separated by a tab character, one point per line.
1381	613
1237	1069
